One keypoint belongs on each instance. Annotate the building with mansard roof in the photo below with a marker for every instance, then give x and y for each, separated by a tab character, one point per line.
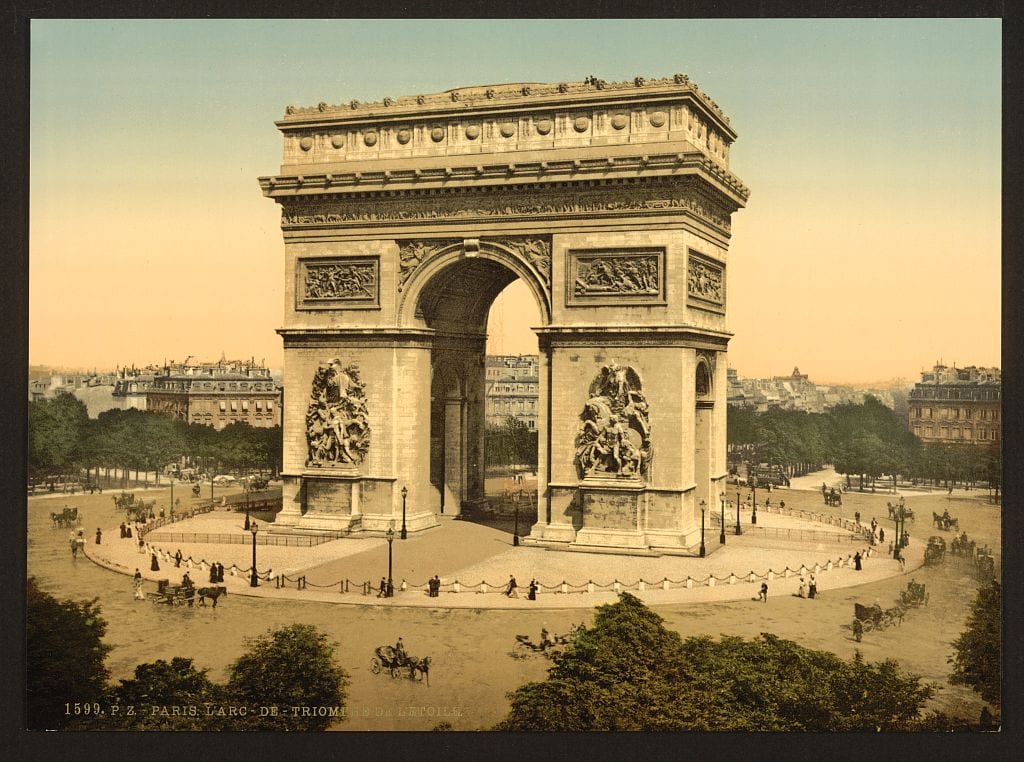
216	394
956	405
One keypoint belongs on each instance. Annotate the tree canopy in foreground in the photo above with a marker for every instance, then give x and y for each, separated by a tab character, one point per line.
977	658
628	672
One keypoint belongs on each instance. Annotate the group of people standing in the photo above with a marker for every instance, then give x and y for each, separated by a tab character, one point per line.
511	589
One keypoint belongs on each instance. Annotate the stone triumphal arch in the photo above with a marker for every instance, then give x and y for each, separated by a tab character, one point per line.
402	222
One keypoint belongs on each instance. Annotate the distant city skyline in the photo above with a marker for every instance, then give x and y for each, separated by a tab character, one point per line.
870	247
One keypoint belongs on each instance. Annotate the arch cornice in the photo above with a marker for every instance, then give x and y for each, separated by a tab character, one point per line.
528	257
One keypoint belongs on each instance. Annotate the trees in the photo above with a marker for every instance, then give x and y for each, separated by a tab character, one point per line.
168	696
978	652
628	672
511	443
65	657
55	428
293	666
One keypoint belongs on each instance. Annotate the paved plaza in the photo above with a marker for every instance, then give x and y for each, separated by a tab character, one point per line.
474	563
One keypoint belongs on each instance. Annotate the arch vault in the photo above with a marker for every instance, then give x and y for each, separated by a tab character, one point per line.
402	222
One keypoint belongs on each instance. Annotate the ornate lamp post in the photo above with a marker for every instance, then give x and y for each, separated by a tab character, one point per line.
721	538
253	578
753	513
515	530
405	492
246	488
172	494
390	589
739	530
703	507
753	487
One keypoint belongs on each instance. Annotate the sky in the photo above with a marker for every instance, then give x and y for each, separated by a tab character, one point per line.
869	248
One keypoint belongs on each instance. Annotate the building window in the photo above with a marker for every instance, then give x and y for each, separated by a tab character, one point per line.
259	405
223	406
245	406
234	406
270	405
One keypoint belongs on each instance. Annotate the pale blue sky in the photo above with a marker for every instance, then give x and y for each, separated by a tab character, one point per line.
872	149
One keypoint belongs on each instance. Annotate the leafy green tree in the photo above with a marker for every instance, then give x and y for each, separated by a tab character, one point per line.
55	428
65	658
292	666
977	654
628	672
168	696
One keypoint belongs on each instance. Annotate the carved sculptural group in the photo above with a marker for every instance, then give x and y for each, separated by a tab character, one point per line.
617	275
337	429
614	436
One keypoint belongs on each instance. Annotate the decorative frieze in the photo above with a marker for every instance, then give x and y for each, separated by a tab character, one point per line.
684	195
337	283
705	281
614	434
615	276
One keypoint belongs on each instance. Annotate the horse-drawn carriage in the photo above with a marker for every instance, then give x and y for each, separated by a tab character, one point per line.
833	497
945	522
134	508
963	547
176	595
66	518
914	595
389	658
894	512
874	617
935	551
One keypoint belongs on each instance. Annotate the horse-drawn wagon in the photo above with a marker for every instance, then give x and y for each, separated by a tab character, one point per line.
935	551
387	657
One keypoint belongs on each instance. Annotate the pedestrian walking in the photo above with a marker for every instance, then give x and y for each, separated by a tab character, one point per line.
382	591
127	531
856	561
763	595
532	593
123	528
881	535
154	565
435	586
812	587
213	573
139	595
510	590
99	535
177	559
220	572
802	592
142	544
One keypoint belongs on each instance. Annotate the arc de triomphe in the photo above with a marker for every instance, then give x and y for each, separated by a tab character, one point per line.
402	222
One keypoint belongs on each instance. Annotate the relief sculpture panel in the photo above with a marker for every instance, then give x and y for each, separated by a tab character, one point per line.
614	436
705	282
337	428
616	277
337	283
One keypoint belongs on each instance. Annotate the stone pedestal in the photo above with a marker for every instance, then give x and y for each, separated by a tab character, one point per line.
611	511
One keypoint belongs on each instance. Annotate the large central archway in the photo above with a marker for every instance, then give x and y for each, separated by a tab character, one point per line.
404	220
453	297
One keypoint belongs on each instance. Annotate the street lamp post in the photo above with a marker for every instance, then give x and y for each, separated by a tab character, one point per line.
172	494
753	513
390	590
739	530
703	507
515	530
405	491
253	578
721	538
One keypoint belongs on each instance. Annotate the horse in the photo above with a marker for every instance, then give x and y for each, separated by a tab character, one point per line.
414	663
213	593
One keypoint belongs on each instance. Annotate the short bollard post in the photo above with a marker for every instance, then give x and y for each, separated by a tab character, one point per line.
771	575
483	587
689	583
829	567
617	587
711	580
565	587
732	579
787	572
590	586
456	587
664	584
346	585
751	577
643	585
